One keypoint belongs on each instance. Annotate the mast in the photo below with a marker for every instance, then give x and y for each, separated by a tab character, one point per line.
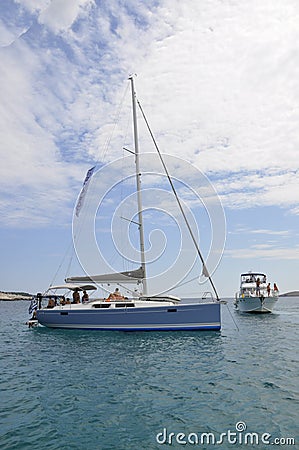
138	185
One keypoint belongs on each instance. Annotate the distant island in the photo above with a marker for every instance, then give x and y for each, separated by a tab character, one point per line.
290	294
15	296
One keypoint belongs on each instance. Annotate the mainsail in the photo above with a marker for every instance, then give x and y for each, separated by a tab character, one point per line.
132	276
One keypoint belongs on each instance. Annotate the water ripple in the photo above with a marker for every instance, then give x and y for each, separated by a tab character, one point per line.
93	390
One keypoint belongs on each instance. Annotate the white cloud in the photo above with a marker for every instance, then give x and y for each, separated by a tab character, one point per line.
32	165
259	188
295	211
9	33
59	15
218	82
34	5
260	251
270	232
261	231
222	91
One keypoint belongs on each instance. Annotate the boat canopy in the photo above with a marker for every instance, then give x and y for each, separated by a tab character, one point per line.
72	287
132	276
256	274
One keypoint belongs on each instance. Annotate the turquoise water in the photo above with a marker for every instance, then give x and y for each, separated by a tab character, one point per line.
110	390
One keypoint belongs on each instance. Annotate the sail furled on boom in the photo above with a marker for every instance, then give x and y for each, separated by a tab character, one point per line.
132	276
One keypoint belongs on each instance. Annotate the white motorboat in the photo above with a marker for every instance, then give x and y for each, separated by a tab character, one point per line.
256	294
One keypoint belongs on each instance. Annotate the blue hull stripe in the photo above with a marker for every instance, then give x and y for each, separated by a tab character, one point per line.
193	327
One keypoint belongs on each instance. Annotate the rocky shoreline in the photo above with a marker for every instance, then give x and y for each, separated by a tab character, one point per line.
290	294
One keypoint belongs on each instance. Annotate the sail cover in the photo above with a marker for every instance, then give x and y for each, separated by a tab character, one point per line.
132	276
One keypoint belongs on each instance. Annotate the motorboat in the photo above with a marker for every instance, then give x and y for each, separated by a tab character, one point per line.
256	295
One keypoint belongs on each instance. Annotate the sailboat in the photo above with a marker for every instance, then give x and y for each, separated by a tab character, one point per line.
143	313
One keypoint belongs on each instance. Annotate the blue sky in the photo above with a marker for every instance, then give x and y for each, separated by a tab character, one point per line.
219	84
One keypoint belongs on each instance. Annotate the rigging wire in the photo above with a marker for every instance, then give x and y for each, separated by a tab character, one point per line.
178	202
230	313
116	121
62	262
183	283
68	271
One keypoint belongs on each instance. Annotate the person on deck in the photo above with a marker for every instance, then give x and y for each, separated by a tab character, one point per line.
116	295
85	297
268	289
39	300
76	296
258	289
51	303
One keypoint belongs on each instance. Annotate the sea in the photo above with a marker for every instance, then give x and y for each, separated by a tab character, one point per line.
93	390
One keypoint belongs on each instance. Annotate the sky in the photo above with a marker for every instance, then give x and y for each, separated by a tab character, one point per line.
218	81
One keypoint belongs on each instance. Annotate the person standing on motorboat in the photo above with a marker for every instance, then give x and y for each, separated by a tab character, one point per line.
258	284
268	289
